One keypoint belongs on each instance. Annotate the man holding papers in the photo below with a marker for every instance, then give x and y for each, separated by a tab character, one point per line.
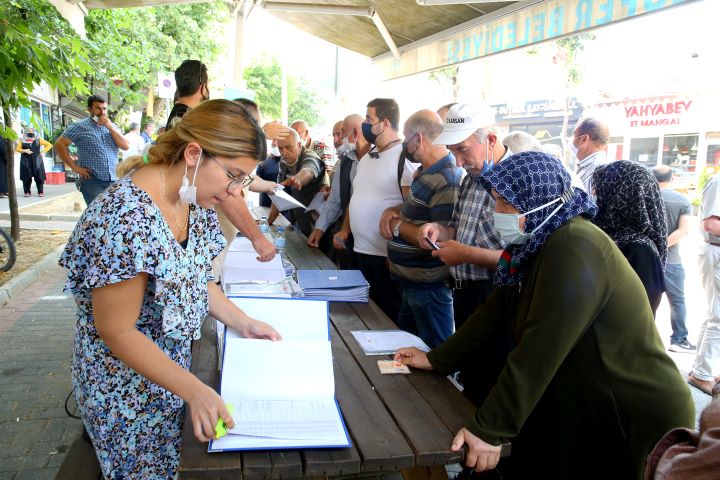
303	171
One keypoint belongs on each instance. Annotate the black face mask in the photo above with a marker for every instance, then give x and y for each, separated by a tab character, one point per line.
406	154
31	135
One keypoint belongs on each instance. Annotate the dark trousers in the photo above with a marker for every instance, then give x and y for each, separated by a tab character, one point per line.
466	300
383	289
479	374
27	183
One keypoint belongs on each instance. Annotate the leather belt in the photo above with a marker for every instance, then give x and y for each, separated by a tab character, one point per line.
462	284
714	244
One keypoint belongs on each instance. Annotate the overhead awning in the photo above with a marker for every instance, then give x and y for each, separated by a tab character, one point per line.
404	37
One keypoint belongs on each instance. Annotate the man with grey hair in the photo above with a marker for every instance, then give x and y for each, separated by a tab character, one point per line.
304	173
469	244
135	141
426	309
322	150
589	144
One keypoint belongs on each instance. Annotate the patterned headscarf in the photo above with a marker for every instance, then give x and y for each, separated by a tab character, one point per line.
631	208
529	180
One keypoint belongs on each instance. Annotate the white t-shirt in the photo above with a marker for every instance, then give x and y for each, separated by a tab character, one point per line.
375	188
137	144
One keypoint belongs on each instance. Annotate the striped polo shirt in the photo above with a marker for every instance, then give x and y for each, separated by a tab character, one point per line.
432	198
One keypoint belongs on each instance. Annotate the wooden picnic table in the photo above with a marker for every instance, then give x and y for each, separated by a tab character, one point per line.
396	422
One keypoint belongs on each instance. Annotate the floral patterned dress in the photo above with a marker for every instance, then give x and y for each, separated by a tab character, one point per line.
135	424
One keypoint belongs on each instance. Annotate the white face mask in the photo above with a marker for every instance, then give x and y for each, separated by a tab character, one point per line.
275	151
346	146
187	192
508	224
573	149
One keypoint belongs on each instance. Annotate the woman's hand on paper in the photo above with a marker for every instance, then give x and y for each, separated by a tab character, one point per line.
206	408
413	357
480	455
258	329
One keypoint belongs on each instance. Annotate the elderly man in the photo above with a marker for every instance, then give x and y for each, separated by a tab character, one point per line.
136	143
352	147
469	244
707	361
303	171
376	186
97	140
426	307
589	144
319	147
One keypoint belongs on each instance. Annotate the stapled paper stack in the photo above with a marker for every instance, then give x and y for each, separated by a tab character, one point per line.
283	392
244	275
334	285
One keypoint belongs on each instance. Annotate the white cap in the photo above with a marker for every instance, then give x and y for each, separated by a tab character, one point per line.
462	120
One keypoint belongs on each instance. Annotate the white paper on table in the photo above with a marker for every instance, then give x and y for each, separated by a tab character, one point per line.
264	370
308	321
283	201
387	342
241	244
243	267
317	203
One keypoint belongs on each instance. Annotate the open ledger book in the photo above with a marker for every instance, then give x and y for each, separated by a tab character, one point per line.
283	392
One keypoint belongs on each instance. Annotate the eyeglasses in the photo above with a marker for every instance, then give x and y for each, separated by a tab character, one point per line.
235	182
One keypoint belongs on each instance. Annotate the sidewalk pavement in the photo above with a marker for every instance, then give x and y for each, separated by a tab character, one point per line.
36	342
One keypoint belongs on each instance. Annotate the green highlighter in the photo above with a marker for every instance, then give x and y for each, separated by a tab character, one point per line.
220	427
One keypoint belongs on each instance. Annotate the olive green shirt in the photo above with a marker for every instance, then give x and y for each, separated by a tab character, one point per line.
588	364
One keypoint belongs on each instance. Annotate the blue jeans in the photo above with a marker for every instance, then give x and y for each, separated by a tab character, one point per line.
675	283
426	311
91	188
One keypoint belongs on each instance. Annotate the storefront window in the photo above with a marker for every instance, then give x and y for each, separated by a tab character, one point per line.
680	152
644	150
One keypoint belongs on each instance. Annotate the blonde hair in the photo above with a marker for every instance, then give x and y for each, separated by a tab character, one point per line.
221	128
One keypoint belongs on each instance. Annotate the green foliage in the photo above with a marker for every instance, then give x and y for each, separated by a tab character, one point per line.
38	45
132	45
304	102
572	46
264	77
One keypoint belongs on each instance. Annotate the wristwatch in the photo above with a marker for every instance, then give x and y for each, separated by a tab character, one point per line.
396	229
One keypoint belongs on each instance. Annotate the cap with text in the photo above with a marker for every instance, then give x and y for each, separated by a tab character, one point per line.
462	120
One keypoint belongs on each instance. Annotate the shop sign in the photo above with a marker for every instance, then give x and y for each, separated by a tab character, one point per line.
518	25
657	114
535	109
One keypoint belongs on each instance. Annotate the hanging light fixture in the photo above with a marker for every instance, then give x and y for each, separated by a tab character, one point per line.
694	147
675	149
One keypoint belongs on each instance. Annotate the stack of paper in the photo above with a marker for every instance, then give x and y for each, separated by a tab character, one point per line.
283	393
243	274
387	342
334	285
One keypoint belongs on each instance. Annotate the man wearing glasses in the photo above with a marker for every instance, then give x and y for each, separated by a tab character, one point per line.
589	144
302	171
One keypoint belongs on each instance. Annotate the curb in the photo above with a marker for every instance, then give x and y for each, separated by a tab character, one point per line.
17	284
42	217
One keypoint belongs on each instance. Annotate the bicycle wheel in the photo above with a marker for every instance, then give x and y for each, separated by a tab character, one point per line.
7	251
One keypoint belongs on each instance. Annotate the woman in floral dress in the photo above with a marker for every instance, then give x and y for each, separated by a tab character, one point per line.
139	269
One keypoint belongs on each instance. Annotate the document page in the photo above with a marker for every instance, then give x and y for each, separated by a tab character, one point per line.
294	319
264	370
283	201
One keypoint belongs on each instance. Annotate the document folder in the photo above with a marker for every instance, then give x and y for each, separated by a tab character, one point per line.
283	392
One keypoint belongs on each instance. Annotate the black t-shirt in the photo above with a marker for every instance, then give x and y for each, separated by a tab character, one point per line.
177	112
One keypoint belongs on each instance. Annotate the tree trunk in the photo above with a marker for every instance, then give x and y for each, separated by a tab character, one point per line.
12	198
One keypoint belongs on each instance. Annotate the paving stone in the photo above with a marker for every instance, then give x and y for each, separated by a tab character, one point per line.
24	426
37	474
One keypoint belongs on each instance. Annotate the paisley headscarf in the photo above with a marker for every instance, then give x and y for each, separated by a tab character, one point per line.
527	181
631	208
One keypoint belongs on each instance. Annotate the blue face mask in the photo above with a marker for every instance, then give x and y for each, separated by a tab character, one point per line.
488	164
367	132
508	224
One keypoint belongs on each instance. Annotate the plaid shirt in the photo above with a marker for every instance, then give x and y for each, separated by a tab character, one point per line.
96	148
474	225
